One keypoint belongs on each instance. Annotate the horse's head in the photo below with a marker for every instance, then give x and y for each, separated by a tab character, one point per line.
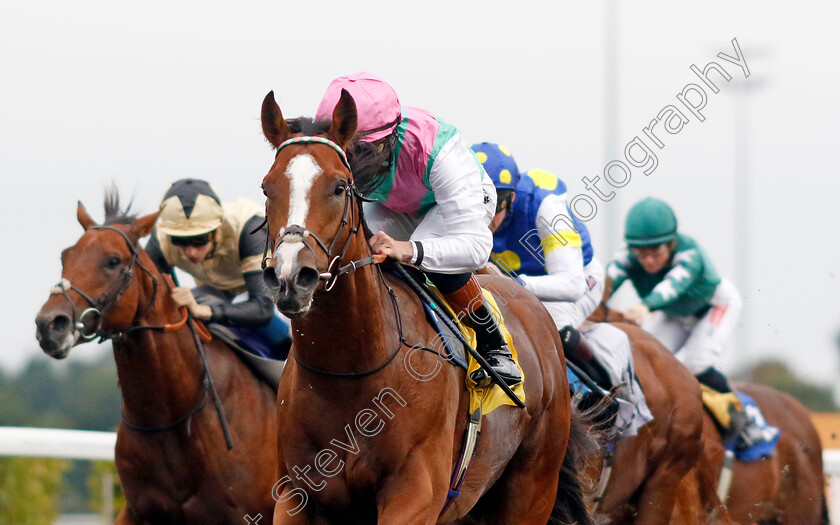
97	292
311	204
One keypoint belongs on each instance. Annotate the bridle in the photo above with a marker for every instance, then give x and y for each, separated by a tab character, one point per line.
98	307
335	268
296	233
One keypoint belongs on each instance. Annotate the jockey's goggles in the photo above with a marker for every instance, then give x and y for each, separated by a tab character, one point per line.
196	241
640	252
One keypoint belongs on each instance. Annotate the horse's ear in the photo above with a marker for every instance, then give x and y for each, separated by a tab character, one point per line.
84	218
345	119
143	226
274	126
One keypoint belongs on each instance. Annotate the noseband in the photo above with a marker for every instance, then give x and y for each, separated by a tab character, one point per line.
296	233
97	307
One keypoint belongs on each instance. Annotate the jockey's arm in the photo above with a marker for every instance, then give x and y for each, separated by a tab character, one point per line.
257	310
565	279
457	180
685	270
617	271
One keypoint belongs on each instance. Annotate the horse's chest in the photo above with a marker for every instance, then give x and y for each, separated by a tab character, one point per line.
337	466
171	482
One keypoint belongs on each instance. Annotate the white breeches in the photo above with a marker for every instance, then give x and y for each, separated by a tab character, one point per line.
698	342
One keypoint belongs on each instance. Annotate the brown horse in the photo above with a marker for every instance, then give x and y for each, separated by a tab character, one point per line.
784	488
787	487
648	469
171	454
379	418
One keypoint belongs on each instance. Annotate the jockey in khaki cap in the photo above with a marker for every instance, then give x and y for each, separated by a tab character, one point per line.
220	246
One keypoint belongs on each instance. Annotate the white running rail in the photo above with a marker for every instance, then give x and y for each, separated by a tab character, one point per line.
87	445
57	443
831	468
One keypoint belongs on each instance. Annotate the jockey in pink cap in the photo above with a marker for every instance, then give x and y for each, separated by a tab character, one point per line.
433	202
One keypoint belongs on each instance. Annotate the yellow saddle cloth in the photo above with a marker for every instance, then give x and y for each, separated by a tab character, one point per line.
493	396
719	404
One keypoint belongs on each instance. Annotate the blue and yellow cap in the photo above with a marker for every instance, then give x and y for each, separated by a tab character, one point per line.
499	164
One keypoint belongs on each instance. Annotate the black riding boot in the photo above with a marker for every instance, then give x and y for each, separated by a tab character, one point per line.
468	303
578	351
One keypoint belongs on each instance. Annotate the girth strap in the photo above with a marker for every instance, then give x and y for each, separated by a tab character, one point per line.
463	464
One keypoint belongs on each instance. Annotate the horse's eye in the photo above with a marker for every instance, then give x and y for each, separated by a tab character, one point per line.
341	188
112	263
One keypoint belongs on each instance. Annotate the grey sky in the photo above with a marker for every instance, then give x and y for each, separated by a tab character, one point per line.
146	93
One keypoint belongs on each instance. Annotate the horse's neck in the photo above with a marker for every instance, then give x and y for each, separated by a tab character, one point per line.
351	328
160	374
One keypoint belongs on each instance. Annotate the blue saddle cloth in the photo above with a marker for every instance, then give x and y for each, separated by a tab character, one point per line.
272	341
257	345
771	434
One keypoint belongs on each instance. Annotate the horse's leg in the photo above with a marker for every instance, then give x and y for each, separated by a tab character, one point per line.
288	511
527	491
416	498
683	450
411	501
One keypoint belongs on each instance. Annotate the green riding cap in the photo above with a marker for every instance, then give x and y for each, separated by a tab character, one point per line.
649	223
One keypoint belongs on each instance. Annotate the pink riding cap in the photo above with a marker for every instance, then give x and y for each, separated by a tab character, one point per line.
376	102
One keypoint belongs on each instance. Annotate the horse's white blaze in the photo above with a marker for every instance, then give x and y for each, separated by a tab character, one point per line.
302	172
286	253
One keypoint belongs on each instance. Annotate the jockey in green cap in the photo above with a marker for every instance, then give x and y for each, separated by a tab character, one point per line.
684	303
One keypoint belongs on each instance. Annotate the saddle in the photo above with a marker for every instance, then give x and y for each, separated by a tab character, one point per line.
744	432
264	368
442	318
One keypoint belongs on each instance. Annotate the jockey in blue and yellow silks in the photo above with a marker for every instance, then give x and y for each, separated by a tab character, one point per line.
538	240
537	237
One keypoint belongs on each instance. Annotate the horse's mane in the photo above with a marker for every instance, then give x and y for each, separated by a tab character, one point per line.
113	213
309	126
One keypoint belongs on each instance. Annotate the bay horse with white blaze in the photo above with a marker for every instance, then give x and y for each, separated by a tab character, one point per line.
171	455
353	331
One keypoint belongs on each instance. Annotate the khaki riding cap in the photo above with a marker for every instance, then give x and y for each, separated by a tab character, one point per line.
190	207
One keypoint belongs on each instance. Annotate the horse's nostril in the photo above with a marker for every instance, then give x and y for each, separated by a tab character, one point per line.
307	278
59	324
270	279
